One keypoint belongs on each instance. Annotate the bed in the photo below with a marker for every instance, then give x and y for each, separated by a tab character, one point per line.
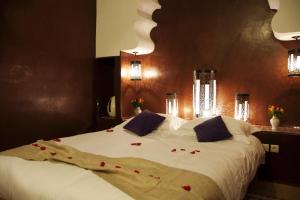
230	163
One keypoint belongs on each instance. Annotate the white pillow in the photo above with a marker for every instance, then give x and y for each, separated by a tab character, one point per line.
171	123
235	127
189	125
239	127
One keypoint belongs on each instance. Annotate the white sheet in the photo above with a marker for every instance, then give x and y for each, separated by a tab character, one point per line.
231	164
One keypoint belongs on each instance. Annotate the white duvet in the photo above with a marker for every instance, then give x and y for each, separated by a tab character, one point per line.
231	164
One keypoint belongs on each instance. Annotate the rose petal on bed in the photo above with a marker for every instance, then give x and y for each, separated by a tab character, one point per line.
102	164
182	149
187	187
136	144
173	150
117	166
43	148
35	145
57	140
53	153
192	152
136	171
109	130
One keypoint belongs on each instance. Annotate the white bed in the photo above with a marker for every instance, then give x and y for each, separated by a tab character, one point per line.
230	163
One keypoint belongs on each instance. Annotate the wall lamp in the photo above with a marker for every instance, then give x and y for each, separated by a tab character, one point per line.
204	93
135	69
294	61
172	104
241	107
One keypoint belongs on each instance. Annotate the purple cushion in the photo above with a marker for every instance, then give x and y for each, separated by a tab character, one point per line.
144	123
212	130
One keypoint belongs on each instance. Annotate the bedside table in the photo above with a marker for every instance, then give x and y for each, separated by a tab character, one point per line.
106	122
282	155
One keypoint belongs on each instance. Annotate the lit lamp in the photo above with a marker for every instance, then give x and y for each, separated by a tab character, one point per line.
204	93
135	69
172	104
294	61
242	107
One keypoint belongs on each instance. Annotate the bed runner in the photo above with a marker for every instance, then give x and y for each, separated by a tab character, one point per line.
141	179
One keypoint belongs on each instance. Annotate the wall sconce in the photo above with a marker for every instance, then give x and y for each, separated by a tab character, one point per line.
241	107
204	93
150	73
294	61
135	69
172	104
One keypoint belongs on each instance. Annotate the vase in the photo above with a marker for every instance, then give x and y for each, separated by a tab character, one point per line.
274	122
137	111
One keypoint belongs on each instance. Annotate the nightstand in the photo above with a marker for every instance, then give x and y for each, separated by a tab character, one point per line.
106	122
282	155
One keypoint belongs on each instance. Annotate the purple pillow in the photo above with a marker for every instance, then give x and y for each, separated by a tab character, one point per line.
144	123
212	130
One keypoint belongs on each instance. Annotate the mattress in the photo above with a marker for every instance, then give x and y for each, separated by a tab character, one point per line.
232	164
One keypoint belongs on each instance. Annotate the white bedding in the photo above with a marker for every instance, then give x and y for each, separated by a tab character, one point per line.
231	164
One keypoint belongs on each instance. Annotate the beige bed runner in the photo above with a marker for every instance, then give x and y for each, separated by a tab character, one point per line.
142	179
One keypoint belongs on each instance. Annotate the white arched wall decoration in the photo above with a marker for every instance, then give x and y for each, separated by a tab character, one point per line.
124	25
285	23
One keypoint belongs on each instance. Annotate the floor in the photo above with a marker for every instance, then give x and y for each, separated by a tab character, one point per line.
263	190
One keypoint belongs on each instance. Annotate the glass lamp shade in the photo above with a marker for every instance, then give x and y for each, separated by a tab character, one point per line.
136	70
204	93
294	62
242	107
172	104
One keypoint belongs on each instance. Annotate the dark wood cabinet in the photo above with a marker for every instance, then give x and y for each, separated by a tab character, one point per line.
107	84
107	122
284	165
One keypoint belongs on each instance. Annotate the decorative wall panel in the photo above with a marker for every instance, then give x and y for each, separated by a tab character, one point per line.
233	37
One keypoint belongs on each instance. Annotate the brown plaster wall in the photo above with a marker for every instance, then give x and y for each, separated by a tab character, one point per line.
47	51
233	37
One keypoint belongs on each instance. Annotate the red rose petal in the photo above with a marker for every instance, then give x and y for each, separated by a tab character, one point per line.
69	157
182	149
186	187
136	144
117	166
102	164
173	150
193	152
35	145
136	171
42	148
57	140
53	153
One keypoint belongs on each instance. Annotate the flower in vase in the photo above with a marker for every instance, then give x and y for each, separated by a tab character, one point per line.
137	102
275	111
